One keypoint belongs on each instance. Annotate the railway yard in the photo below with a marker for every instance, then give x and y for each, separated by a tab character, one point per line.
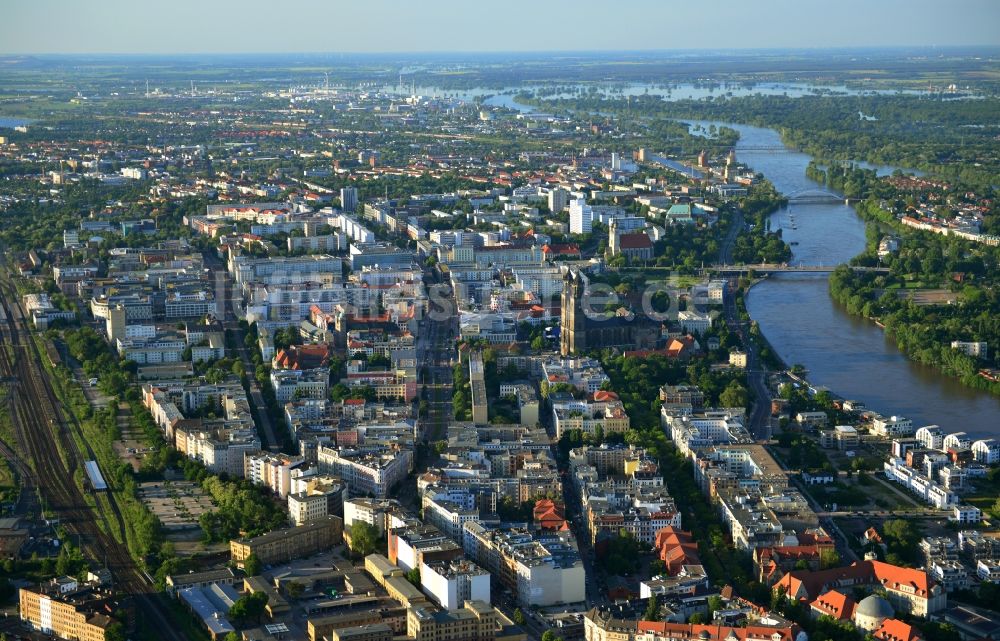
42	433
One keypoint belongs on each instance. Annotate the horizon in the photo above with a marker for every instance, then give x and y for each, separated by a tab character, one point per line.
705	52
186	27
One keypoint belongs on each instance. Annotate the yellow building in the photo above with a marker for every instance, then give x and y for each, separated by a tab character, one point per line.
372	632
476	621
381	568
401	590
290	543
52	615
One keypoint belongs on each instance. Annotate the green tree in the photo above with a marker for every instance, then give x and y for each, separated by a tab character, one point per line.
115	632
294	589
714	605
735	395
413	576
249	607
652	609
364	538
252	565
519	617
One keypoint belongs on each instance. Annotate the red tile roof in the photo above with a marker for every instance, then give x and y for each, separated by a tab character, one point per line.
635	241
808	585
677	548
896	630
715	632
834	604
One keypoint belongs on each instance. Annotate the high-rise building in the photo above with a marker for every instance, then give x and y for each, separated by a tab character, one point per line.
349	198
558	198
581	217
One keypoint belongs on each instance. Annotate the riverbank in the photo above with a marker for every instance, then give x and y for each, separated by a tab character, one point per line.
924	331
803	325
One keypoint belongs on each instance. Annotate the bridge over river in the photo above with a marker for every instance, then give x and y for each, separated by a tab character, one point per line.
781	268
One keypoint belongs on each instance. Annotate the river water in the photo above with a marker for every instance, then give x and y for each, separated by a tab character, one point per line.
849	356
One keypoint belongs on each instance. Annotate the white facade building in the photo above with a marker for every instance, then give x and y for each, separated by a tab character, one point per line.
451	583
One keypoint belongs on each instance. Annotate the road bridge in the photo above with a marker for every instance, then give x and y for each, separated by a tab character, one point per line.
781	268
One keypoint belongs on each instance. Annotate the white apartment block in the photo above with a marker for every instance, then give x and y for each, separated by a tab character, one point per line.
930	437
988	570
929	491
366	473
542	570
986	451
291	384
451	583
976	349
384	514
273	471
892	426
449	516
581	217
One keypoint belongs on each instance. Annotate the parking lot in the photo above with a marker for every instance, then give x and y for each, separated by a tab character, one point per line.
177	504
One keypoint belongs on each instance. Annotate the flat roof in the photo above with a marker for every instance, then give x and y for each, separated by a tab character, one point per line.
95	476
213	618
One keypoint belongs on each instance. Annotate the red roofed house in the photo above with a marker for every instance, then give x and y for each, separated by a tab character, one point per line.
676	548
302	357
556	250
834	604
658	630
772	562
909	590
550	515
896	630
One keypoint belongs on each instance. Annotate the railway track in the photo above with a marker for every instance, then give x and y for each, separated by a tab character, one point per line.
43	434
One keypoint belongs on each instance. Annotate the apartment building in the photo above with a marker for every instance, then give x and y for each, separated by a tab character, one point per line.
691	432
447	515
61	610
314	496
369	471
289	543
273	471
603	411
543	569
383	514
412	545
585	374
891	426
930	491
451	583
475	621
292	384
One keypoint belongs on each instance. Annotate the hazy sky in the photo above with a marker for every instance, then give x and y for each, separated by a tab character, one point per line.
203	26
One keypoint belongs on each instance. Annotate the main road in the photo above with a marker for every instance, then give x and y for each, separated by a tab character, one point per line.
435	348
230	320
759	423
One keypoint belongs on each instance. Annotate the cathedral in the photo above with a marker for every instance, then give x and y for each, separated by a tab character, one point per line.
579	334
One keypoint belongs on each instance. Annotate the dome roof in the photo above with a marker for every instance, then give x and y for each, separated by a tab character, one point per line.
875	606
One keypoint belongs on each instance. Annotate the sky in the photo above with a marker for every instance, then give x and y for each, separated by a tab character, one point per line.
292	26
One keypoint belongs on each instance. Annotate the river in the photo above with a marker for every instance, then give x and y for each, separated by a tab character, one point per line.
849	356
